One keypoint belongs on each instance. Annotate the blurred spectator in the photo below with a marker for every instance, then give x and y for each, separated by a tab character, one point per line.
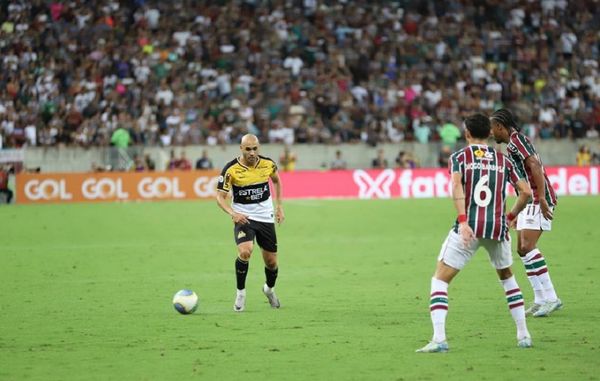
423	129
338	162
449	134
379	162
8	193
278	133
584	156
287	160
120	138
183	163
173	162
150	164
445	153
204	161
406	160
139	165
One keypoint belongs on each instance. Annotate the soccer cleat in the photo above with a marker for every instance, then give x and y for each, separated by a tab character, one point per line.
270	294
548	308
525	342
532	309
240	301
433	347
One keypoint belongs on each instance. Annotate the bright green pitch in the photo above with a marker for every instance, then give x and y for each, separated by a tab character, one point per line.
86	294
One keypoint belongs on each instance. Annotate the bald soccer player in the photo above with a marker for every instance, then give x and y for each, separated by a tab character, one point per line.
251	210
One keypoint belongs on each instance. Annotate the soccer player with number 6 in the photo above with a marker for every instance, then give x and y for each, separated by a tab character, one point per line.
479	178
537	216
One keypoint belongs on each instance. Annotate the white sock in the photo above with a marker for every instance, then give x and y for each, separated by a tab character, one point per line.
438	309
537	264
514	298
538	291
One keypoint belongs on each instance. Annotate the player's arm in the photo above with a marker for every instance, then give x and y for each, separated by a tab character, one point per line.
223	187
524	193
523	190
458	197
279	215
537	172
458	194
223	202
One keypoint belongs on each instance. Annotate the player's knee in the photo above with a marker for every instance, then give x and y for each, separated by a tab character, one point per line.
525	247
245	253
271	261
504	273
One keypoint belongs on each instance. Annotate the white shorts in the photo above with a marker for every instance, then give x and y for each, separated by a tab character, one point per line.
456	255
531	218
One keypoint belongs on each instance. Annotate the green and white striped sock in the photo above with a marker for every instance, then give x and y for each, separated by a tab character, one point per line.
537	265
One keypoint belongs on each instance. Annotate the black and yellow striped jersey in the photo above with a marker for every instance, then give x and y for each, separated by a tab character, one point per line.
250	188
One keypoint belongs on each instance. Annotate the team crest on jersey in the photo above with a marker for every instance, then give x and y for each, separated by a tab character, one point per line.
241	234
483	155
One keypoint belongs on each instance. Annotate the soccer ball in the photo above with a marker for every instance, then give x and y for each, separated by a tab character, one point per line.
185	301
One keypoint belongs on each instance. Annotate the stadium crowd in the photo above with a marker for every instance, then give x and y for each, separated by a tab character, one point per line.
185	72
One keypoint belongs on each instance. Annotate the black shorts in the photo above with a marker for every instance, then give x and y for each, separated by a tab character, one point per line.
263	231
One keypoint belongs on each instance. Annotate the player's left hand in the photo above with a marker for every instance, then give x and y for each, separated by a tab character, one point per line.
279	215
546	211
239	218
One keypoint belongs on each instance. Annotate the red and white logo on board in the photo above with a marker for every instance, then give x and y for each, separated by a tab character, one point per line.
378	187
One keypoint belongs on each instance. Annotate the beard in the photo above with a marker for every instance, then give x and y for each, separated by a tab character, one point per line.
497	139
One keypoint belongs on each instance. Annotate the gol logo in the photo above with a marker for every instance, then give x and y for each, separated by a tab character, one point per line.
160	187
103	189
47	189
206	186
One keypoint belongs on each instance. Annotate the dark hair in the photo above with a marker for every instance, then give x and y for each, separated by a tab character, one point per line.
506	118
478	126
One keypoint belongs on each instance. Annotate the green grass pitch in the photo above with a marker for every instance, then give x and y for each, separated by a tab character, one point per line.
86	294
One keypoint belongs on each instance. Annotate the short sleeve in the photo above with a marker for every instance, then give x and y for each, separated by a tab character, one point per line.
455	164
224	181
520	146
513	175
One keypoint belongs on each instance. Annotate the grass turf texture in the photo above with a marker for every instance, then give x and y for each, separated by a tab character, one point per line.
86	294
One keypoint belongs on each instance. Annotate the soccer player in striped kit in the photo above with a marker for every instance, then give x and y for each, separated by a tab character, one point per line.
479	178
536	217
